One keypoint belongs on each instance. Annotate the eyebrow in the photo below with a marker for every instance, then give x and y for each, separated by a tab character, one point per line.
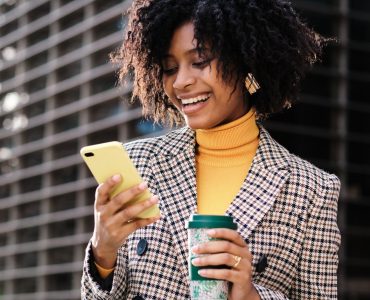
190	51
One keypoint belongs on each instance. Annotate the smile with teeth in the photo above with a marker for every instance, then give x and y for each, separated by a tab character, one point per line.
201	98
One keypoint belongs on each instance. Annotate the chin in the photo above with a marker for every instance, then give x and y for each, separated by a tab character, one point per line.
198	124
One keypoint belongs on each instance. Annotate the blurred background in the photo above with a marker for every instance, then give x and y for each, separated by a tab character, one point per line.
57	94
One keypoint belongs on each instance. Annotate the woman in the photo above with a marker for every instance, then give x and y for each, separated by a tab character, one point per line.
218	66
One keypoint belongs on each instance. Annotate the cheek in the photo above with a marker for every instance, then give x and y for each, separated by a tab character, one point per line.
167	87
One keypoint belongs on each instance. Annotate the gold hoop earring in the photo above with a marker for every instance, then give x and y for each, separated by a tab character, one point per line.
251	84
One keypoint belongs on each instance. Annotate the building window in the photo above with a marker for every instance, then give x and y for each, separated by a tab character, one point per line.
103	136
31	159
26	260
102	84
104	5
38	36
9	28
31	184
102	57
63	202
4	190
65	175
35	109
59	282
106	28
88	224
360	5
359	30
7	74
90	194
26	235
36	85
60	229
3	239
25	285
60	255
319	85
29	210
65	149
4	215
359	60
105	110
66	123
39	12
67	97
69	71
71	19
37	60
33	134
70	45
356	88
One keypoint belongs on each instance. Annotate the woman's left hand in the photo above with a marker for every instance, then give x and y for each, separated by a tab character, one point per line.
232	251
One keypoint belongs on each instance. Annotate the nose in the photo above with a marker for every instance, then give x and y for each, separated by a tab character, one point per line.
183	78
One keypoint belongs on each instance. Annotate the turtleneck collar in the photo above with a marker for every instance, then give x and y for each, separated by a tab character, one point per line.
228	144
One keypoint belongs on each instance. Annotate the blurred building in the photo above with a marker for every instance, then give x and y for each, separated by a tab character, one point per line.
57	94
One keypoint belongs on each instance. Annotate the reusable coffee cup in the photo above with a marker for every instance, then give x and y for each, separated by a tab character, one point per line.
202	288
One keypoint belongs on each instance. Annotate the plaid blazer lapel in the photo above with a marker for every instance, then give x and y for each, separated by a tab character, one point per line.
174	169
268	173
175	174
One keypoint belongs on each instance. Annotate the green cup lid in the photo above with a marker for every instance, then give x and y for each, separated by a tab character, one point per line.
211	221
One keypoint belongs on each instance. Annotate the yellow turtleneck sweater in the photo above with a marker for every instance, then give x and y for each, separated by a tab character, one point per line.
224	156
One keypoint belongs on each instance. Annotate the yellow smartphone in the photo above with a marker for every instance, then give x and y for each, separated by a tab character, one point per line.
107	159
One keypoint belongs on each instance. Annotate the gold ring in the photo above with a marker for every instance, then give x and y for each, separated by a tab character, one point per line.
237	260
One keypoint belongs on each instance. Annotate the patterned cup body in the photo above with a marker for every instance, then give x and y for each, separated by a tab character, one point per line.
202	288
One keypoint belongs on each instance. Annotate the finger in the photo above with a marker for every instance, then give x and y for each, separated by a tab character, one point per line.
102	193
130	213
221	274
219	260
231	275
220	246
139	223
227	234
119	201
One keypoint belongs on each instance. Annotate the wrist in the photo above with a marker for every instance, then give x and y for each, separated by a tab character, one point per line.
105	259
253	294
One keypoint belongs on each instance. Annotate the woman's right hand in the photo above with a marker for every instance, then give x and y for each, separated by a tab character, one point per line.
113	222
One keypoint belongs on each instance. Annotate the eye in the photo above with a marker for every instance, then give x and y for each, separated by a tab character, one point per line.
169	71
203	63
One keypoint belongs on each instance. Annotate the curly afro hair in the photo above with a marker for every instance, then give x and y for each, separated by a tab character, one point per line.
262	37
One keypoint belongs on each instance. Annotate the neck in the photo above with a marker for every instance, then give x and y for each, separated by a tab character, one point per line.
228	143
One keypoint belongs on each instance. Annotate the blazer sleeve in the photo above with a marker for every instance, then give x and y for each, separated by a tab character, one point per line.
317	269
113	287
266	293
316	276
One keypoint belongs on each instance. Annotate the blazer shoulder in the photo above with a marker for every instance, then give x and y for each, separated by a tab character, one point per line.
159	145
318	180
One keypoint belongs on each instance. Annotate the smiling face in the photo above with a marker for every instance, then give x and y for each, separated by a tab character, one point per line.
194	86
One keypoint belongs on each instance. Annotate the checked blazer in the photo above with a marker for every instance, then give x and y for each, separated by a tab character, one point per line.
286	211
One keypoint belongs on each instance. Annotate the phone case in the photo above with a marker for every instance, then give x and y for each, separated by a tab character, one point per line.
107	159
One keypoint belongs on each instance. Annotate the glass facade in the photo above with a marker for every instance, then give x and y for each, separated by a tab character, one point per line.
57	94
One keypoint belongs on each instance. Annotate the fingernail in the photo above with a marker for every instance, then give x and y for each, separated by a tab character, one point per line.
143	185
154	199
195	261
195	249
116	178
202	272
211	232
